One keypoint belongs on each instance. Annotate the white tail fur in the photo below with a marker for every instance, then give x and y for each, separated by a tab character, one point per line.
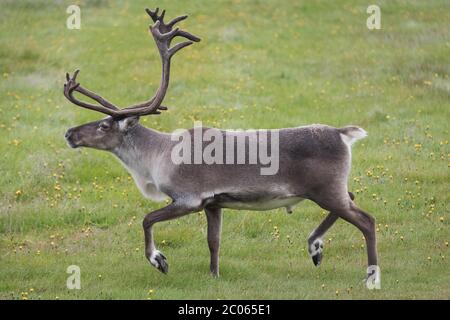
352	134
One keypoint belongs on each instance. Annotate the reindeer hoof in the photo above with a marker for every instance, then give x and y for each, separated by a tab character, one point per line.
315	251
159	261
373	280
317	259
214	274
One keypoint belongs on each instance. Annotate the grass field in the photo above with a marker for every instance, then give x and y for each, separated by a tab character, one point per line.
261	64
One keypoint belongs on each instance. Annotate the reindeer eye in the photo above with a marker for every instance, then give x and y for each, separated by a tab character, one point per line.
104	126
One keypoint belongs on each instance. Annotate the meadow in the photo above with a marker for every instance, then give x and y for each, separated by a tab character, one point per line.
260	64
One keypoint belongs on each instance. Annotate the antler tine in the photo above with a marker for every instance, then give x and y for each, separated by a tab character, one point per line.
161	16
179	46
176	20
153	14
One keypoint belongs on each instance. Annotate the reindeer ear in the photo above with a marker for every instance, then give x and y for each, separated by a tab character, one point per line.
127	123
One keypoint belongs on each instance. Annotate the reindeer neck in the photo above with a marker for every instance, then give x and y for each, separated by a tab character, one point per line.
140	150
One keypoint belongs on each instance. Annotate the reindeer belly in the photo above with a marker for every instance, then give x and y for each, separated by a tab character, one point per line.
249	202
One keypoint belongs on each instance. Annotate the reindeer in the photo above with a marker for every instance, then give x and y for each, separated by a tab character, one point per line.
314	164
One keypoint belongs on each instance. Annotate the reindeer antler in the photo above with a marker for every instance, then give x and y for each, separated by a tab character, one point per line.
163	34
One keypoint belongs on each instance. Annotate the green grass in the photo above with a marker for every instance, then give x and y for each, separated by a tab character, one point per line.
261	64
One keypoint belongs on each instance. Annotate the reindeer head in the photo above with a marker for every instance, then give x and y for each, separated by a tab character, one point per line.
110	132
105	134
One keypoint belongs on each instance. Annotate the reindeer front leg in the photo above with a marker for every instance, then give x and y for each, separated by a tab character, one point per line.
172	211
